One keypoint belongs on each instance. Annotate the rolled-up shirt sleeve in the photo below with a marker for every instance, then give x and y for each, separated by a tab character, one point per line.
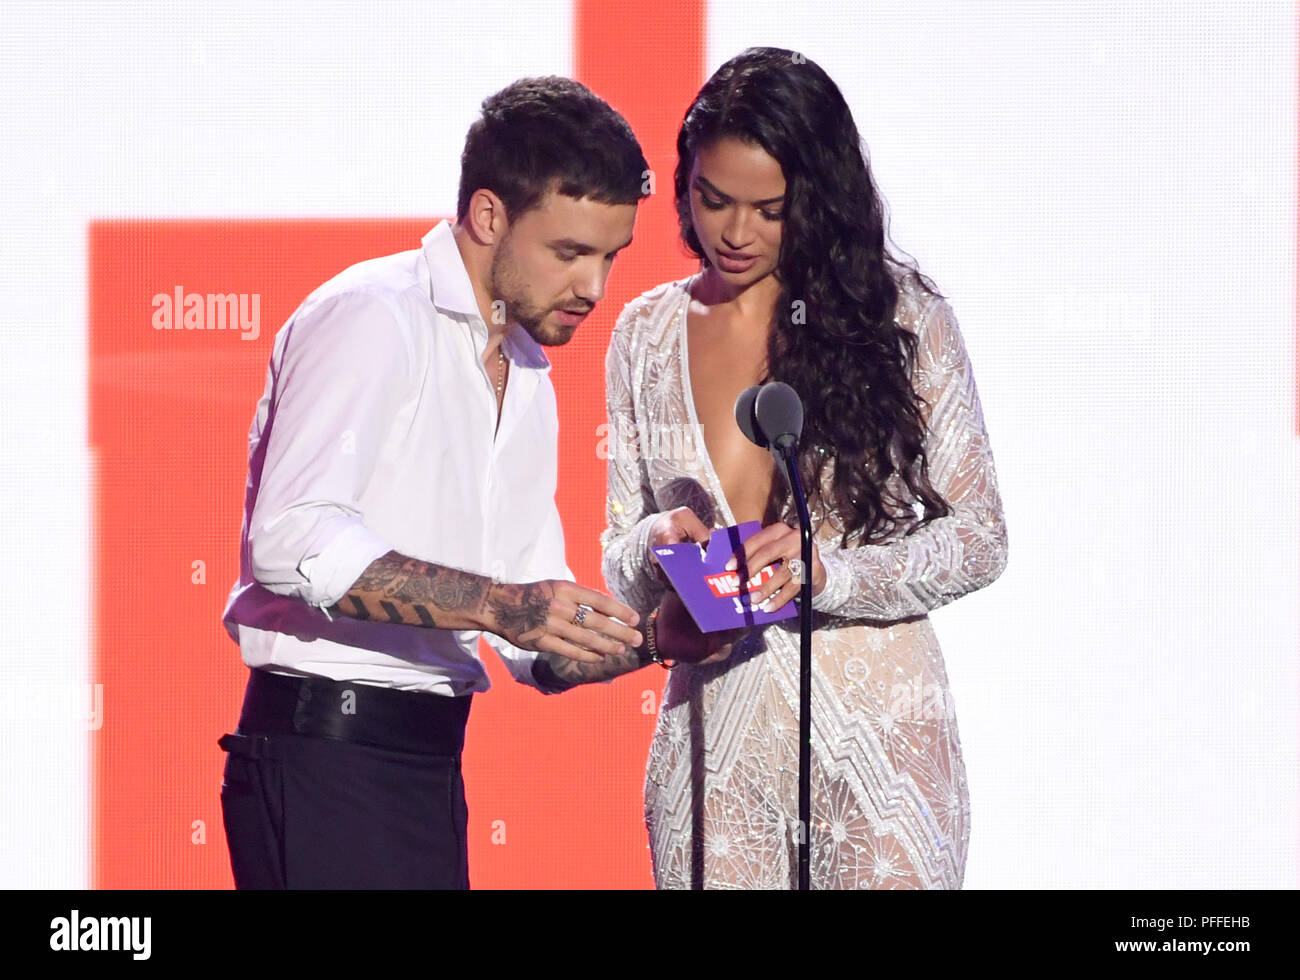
342	369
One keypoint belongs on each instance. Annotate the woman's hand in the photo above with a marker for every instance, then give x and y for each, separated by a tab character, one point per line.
776	542
678	638
675	527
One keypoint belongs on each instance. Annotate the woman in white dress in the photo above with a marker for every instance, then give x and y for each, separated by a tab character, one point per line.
797	284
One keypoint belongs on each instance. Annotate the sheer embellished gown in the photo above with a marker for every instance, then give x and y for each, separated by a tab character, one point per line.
890	807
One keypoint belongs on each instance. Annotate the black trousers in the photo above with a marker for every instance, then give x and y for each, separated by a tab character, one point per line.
351	786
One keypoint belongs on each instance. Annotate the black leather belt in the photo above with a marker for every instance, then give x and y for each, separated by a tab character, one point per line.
409	721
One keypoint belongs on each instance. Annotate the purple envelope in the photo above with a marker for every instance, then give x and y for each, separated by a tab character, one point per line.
713	595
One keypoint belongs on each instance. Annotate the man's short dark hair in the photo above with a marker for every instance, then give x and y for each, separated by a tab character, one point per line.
539	134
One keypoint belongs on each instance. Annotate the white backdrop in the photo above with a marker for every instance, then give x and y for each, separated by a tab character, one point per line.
1106	193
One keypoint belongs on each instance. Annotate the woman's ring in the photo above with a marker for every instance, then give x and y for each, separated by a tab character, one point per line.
580	616
796	570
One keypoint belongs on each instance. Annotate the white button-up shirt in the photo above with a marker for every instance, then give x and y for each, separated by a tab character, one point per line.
376	433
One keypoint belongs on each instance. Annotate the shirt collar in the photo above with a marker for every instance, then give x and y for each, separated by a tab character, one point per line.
451	291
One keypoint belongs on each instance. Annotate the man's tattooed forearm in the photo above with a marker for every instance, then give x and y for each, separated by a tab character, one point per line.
457	590
411	592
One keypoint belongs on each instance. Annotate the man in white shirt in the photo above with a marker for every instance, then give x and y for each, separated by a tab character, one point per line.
400	504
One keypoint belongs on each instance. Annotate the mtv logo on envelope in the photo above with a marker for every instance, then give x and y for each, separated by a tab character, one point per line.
713	596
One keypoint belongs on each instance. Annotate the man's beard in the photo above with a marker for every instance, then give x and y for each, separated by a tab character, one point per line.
509	288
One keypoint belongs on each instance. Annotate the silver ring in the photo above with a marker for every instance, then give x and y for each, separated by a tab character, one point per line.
796	570
580	616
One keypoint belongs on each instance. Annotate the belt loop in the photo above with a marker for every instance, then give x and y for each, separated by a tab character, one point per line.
248	746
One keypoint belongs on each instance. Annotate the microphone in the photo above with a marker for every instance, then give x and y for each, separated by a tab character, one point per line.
771	417
745	417
779	412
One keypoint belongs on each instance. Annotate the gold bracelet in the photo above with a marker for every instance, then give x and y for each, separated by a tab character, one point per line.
650	642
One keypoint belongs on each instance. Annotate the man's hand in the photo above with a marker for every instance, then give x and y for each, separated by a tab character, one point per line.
540	616
775	542
676	638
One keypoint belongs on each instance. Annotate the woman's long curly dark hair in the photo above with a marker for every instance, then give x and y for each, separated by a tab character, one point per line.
841	350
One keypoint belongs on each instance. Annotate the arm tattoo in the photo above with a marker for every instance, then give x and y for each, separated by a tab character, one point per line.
456	590
520	610
410	592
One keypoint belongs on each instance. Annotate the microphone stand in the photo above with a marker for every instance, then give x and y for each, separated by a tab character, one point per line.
805	661
771	416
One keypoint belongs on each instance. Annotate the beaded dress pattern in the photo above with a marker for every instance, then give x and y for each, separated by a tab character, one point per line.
890	806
